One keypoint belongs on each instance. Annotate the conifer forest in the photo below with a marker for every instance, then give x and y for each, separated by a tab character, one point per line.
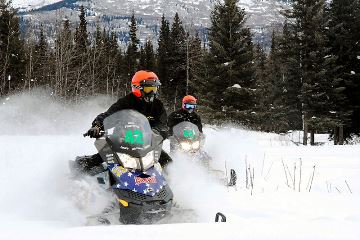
308	80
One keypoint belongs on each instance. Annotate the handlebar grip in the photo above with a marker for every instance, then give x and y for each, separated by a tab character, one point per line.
87	134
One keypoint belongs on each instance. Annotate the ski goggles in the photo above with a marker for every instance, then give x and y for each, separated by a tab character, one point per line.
149	89
190	106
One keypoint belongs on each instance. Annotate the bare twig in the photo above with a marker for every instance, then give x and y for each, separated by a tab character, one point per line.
292	179
287	181
348	187
246	174
327	187
294	175
226	175
300	168
249	174
262	168
253	177
312	178
337	189
269	170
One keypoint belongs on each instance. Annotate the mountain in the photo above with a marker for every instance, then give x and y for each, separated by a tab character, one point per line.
114	14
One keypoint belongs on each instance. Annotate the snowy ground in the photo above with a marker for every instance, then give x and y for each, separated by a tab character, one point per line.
37	200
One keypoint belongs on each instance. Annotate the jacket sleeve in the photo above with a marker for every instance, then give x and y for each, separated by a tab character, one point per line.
99	120
160	123
199	124
170	122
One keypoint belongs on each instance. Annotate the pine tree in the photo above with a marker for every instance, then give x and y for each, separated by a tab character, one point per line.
163	55
149	56
41	63
81	35
281	86
81	62
198	74
315	62
119	82
230	62
177	62
12	56
196	68
354	95
290	61
264	85
142	58
132	53
65	81
344	43
98	64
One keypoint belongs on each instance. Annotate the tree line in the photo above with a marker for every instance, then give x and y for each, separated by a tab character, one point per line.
308	80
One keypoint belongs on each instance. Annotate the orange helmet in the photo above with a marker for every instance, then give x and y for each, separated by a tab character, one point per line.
145	84
189	102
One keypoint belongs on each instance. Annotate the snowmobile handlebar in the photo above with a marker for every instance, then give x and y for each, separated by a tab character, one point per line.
101	133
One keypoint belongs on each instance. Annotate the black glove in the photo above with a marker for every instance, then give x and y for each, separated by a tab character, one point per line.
94	132
162	131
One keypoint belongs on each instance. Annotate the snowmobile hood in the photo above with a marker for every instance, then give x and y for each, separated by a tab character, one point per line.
149	182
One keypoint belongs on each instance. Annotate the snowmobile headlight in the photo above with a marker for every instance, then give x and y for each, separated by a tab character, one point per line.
185	146
148	160
128	161
196	145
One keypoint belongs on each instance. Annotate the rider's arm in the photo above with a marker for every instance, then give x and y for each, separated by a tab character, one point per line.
160	123
122	103
199	124
170	121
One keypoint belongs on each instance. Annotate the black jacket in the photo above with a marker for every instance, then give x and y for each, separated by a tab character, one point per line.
182	115
154	111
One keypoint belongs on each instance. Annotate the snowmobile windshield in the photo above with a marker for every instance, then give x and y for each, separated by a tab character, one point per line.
186	131
129	132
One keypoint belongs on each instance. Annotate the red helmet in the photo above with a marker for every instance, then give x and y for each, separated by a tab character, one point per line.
189	102
145	84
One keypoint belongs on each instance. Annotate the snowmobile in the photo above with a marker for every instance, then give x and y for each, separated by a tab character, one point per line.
188	139
130	151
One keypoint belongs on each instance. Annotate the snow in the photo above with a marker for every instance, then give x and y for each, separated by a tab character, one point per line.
37	201
31	4
236	86
352	72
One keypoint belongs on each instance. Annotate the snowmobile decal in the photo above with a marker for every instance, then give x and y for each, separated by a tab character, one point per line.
118	171
134	137
189	133
138	181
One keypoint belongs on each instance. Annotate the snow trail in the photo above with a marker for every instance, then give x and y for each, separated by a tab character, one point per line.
40	135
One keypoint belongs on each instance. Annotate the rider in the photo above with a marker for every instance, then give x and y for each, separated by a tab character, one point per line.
186	113
145	85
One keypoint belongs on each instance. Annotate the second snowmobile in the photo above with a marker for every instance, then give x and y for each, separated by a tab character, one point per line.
188	139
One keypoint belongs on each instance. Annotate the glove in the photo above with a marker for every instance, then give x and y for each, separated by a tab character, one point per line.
163	132
94	132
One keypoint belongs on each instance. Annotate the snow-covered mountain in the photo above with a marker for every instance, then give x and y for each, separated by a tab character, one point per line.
31	4
114	14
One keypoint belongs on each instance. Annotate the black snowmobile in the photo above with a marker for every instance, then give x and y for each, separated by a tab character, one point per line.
130	151
188	139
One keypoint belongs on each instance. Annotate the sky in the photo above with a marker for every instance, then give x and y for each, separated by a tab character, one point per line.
38	200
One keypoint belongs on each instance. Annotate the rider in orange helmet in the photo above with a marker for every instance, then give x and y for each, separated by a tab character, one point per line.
145	86
186	113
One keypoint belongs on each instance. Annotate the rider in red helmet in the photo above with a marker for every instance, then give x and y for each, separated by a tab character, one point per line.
186	113
145	86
